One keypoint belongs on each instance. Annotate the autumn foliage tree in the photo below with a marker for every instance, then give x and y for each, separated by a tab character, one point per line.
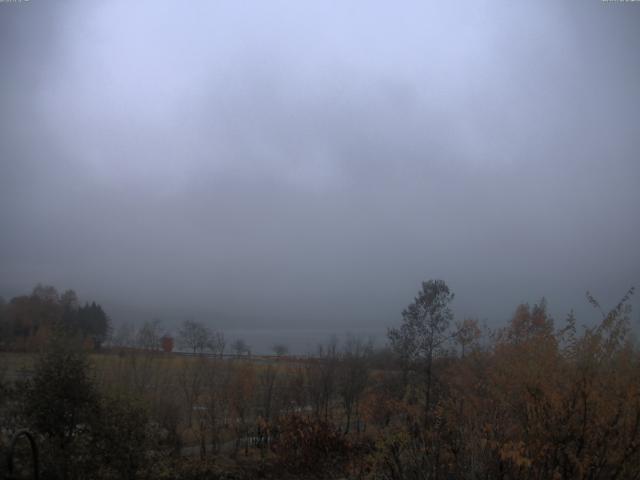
27	322
467	334
167	343
539	402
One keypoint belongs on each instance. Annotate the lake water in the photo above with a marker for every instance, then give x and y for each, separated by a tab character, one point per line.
299	342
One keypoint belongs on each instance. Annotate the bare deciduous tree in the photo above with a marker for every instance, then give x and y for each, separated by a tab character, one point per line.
194	336
280	349
240	347
321	378
217	343
353	377
423	331
467	333
149	335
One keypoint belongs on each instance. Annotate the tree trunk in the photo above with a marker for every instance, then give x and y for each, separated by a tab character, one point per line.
427	402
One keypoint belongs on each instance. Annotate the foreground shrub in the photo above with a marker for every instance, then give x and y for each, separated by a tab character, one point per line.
305	445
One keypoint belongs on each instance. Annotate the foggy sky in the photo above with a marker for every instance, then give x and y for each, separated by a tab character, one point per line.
307	165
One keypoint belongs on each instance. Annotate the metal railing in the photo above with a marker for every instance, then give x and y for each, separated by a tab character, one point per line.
34	454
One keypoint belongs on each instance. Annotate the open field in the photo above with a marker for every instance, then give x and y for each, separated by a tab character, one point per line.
16	366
